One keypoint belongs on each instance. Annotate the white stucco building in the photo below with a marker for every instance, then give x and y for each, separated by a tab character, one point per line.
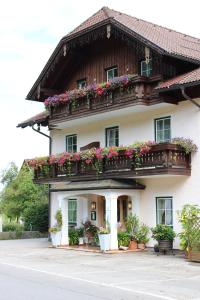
159	103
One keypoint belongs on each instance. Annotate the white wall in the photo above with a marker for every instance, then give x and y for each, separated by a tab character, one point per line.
185	122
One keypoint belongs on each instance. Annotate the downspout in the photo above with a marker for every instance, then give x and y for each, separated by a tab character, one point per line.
188	97
50	150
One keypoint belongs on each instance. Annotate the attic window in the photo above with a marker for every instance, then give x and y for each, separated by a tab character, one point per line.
81	84
111	73
146	68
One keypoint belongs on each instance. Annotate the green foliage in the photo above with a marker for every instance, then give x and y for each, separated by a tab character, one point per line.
58	218
90	229
12	227
123	238
163	232
73	236
132	225
36	217
80	232
8	175
20	192
142	234
189	217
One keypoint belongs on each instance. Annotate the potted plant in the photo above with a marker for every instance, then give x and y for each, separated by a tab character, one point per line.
90	231
104	238
189	217
123	239
56	229
81	235
142	236
164	235
132	225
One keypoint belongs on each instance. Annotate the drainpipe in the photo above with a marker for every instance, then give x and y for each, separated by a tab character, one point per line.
188	97
49	186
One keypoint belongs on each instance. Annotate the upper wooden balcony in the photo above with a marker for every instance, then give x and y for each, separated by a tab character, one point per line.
140	92
163	159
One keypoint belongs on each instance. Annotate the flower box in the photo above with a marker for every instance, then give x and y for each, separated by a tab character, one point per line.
56	238
104	241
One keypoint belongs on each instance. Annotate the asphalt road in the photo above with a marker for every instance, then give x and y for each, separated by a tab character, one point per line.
29	270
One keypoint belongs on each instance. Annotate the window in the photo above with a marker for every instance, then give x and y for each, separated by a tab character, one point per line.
112	136
81	84
71	143
111	73
163	129
146	68
72	211
164	212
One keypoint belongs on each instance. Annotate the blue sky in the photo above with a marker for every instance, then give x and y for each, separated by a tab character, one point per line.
29	32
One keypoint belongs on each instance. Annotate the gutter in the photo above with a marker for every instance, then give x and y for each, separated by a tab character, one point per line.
188	97
49	185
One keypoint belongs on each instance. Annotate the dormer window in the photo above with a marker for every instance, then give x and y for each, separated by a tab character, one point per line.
146	68
111	73
81	84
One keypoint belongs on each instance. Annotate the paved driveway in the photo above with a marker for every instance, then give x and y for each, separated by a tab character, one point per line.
29	270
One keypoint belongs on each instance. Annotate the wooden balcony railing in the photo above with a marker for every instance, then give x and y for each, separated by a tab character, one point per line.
162	159
140	92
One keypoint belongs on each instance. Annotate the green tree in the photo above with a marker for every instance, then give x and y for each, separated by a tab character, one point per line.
20	193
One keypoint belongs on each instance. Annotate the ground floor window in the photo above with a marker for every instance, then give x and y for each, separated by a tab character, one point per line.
72	212
164	211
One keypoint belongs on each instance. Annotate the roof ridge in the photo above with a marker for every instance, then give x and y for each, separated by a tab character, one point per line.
164	27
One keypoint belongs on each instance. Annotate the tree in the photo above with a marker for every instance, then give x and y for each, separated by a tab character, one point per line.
36	217
20	193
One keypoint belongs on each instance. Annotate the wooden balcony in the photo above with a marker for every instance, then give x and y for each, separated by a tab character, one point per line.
163	159
141	92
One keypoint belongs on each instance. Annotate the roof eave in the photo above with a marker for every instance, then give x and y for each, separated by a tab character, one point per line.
178	86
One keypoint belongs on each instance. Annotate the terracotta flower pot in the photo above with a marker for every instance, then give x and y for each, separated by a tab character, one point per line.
141	246
133	245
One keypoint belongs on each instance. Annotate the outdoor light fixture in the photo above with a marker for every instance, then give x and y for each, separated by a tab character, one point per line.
129	204
93	205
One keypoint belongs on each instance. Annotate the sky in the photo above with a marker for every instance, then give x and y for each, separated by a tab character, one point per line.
29	32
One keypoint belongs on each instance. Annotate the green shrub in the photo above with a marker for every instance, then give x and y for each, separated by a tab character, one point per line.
36	217
142	234
124	238
12	227
163	232
73	236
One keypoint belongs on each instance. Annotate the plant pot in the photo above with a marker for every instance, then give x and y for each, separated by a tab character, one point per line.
104	242
56	238
141	246
81	241
194	255
133	245
165	245
156	248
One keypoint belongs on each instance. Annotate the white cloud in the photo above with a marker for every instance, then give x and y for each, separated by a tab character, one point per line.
29	32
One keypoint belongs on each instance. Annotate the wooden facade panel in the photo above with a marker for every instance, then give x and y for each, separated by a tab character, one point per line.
101	56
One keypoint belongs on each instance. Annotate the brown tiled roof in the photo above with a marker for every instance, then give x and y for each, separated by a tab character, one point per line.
40	118
173	42
184	79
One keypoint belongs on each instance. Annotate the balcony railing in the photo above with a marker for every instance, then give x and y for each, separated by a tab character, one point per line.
141	91
161	160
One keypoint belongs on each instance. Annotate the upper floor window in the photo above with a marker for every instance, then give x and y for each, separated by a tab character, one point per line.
71	143
72	212
164	211
146	68
112	136
81	84
163	129
111	73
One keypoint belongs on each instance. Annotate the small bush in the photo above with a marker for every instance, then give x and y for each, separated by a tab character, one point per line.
12	227
163	232
36	217
124	238
73	236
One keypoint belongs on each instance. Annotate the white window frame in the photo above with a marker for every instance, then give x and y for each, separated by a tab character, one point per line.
156	129
149	68
113	73
164	210
71	136
73	221
107	131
